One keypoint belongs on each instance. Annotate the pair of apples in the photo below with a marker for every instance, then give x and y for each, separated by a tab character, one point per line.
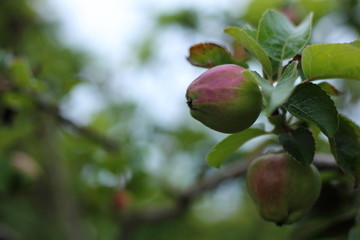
224	100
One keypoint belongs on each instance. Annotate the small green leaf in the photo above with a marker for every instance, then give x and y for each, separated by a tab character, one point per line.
283	89
227	146
266	87
309	102
338	60
280	38
209	55
329	89
345	146
300	144
246	38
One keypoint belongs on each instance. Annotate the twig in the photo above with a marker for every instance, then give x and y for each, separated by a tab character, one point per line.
132	220
107	143
8	233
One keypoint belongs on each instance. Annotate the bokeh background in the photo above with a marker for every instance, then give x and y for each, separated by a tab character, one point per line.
96	139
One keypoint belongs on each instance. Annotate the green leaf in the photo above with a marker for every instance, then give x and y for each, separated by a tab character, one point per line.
208	55
246	38
227	146
266	87
283	89
309	102
300	144
345	146
280	38
319	7
336	60
329	89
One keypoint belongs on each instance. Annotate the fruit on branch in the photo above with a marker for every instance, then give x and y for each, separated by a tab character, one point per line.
224	100
282	188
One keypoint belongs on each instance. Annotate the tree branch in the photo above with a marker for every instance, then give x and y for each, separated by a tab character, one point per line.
8	233
132	220
106	142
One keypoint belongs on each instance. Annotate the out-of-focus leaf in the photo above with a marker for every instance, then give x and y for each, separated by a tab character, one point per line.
319	8
257	8
329	89
239	52
187	18
21	72
20	129
23	77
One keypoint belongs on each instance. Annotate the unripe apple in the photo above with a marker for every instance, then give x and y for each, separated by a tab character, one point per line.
282	188
224	100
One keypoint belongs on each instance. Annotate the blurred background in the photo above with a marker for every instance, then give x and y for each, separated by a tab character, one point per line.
96	139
